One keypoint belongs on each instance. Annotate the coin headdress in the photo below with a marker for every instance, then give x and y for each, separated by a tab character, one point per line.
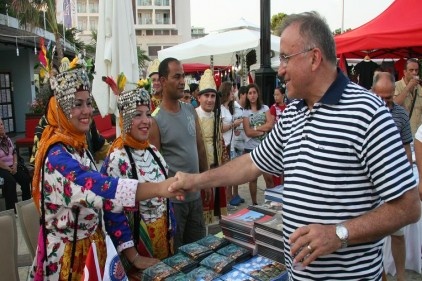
127	101
72	77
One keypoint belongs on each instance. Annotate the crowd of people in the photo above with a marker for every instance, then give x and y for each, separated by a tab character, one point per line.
342	153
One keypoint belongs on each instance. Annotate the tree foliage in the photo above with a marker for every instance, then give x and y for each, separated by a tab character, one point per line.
92	45
276	21
142	58
71	36
30	14
338	31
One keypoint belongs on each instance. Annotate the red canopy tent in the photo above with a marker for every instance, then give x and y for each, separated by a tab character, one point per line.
395	33
201	67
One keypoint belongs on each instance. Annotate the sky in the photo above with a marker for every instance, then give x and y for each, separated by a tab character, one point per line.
214	14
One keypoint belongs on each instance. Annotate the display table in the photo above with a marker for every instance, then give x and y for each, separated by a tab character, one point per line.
413	240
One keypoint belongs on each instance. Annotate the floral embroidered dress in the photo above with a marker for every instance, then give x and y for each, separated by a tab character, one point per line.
74	193
153	211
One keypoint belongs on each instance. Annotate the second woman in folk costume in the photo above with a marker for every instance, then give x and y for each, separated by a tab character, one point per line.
210	121
131	156
67	188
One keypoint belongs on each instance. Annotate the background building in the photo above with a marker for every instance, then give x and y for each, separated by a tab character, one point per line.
158	23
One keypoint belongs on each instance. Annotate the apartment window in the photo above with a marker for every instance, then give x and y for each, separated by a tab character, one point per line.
174	32
162	18
153	50
81	5
93	7
82	23
144	2
162	2
149	33
144	18
93	23
161	32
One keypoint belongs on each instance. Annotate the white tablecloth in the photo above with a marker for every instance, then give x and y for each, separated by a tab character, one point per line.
413	240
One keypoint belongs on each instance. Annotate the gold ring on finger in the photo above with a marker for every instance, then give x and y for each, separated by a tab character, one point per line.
309	248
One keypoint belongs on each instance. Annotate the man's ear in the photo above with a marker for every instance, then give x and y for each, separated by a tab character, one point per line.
162	80
316	58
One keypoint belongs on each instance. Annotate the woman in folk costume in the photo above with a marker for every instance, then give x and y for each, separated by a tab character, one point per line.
132	156
68	190
156	89
210	121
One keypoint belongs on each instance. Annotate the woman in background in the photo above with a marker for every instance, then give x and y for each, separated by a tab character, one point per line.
276	109
229	124
257	122
9	172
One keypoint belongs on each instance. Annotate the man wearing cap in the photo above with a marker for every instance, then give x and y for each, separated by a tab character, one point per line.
176	133
210	121
156	90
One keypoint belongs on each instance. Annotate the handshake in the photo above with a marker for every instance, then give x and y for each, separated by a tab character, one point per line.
178	185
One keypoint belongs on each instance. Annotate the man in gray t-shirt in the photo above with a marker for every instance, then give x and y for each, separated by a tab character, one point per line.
176	132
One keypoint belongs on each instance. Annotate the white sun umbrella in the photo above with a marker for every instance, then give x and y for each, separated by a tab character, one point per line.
115	53
223	45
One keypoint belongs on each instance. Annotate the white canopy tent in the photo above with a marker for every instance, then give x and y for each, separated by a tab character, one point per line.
116	51
223	45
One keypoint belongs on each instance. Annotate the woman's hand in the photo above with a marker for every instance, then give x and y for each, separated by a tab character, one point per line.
144	262
237	122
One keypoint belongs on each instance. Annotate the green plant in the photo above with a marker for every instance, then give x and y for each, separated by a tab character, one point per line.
42	95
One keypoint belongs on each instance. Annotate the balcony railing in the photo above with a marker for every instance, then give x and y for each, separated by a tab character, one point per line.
162	21
144	21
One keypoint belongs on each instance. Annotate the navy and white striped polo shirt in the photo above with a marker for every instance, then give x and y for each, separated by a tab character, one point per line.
340	160
401	118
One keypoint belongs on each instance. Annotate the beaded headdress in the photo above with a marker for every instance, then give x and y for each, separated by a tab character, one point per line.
71	78
127	101
153	67
207	82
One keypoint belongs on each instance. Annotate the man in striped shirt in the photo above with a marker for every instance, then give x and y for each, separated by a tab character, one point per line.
347	181
383	86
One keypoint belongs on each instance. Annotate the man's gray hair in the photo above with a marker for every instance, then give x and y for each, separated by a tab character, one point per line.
314	31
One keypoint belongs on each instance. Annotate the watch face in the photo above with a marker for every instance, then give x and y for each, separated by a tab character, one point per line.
342	232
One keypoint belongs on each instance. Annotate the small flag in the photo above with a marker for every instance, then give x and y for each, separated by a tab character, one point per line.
113	268
92	268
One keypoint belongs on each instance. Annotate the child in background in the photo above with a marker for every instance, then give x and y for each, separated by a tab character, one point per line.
276	109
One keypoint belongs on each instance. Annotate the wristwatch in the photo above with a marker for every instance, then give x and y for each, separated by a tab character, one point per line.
343	234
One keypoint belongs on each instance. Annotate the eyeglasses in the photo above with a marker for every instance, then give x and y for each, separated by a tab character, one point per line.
284	59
